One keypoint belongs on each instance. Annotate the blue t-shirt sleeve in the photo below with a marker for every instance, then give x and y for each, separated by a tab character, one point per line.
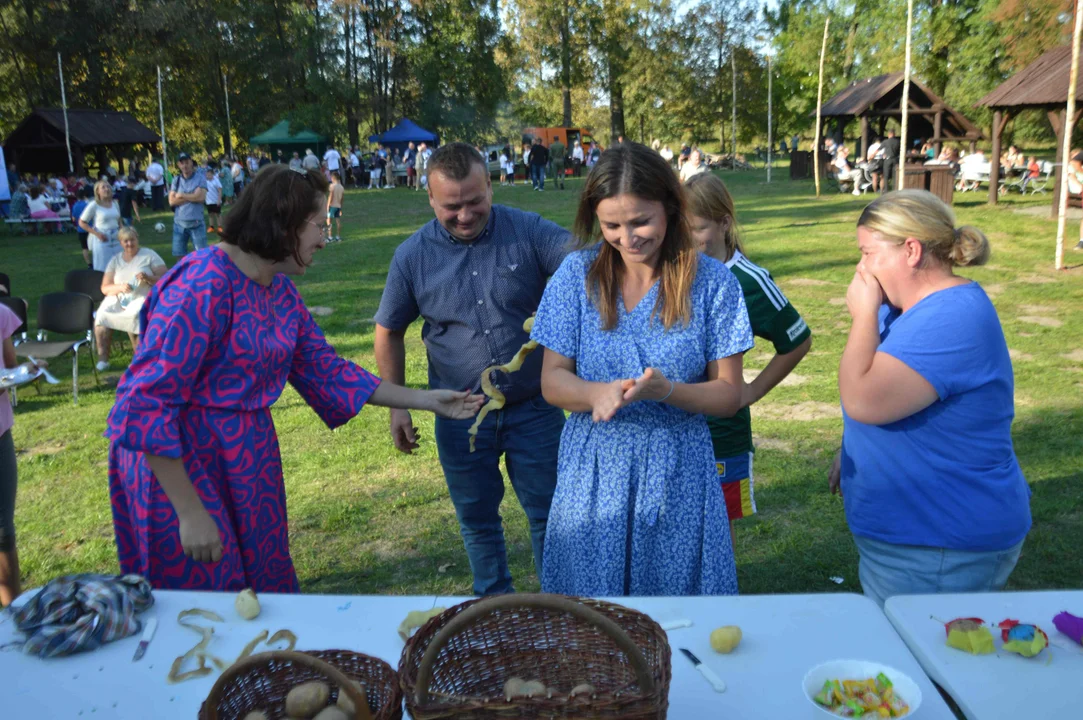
558	322
398	306
552	243
728	329
948	340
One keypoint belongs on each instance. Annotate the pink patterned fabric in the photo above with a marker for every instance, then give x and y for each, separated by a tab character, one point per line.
9	323
216	353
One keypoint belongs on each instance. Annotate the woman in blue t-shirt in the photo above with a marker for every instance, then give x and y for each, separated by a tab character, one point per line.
934	494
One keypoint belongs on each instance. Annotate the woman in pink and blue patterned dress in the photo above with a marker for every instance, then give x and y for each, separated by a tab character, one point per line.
195	474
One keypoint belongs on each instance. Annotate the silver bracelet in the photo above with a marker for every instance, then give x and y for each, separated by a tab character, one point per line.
671	386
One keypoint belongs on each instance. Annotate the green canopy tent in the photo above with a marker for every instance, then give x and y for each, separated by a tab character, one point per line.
279	138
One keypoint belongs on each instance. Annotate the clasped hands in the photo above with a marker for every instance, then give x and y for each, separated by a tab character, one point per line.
608	398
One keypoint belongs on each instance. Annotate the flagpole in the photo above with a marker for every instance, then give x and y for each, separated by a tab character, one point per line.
64	106
161	118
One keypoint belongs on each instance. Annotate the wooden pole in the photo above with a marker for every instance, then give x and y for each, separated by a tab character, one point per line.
1069	117
64	105
994	159
229	122
733	102
770	137
819	109
903	147
161	120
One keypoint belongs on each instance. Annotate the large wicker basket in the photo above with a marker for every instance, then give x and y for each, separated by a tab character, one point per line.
456	665
261	682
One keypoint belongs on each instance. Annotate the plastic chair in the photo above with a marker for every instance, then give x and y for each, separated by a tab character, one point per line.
88	282
65	313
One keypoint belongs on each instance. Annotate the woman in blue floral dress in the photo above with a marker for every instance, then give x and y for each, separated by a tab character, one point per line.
643	337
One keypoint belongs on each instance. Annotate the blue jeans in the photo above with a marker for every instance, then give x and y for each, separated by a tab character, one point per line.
198	234
886	569
537	176
528	436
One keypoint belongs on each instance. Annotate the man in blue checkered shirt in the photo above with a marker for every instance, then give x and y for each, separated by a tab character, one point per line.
474	275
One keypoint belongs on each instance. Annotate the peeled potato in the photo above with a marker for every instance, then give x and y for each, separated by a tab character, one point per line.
256	715
513	687
344	700
533	687
307	699
332	713
247	604
583	689
725	639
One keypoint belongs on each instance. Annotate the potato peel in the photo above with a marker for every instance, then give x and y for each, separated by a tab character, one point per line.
497	398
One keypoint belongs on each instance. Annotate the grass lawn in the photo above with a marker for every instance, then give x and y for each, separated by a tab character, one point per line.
366	519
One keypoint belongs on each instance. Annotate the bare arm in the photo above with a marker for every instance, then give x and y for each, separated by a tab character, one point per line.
198	531
719	395
875	387
111	288
87	227
776	371
390	348
10	360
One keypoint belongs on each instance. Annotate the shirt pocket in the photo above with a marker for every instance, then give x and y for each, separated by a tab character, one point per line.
515	285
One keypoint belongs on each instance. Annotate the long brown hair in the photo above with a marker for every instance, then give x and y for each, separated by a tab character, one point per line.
708	198
634	169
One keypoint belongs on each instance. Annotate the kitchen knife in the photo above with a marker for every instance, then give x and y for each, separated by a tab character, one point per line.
716	682
148	632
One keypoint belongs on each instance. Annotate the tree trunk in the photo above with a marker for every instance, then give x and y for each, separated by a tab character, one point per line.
566	64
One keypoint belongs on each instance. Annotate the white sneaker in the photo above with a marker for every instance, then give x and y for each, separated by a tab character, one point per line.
102	366
856	191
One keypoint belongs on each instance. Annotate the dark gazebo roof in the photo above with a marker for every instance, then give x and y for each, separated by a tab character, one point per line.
882	95
44	127
1042	84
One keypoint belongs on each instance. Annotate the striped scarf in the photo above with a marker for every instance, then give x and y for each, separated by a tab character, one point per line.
76	613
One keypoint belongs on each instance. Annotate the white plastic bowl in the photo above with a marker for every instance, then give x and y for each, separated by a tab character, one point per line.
814	680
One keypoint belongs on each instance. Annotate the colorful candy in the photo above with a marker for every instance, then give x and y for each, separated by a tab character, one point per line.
969	635
854	698
1025	639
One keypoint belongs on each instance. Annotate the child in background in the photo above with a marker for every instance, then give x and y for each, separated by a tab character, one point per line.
714	227
81	199
213	201
334	207
126	202
503	168
1034	171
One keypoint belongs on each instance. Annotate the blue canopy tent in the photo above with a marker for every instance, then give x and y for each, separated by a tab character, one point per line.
407	131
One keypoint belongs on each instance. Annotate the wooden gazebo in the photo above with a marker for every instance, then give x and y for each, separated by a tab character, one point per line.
38	144
1042	85
880	99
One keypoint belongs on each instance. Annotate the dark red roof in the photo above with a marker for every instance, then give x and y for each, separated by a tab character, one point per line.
1043	83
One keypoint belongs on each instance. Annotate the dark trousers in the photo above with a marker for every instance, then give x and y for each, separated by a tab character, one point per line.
890	166
558	173
157	197
527	435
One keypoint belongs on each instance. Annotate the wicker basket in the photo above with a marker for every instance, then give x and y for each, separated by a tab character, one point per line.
261	682
456	665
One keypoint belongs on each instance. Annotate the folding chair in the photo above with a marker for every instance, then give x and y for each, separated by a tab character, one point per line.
19	307
66	313
88	282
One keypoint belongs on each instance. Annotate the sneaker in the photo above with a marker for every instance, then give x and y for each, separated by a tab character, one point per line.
102	366
1079	245
856	192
